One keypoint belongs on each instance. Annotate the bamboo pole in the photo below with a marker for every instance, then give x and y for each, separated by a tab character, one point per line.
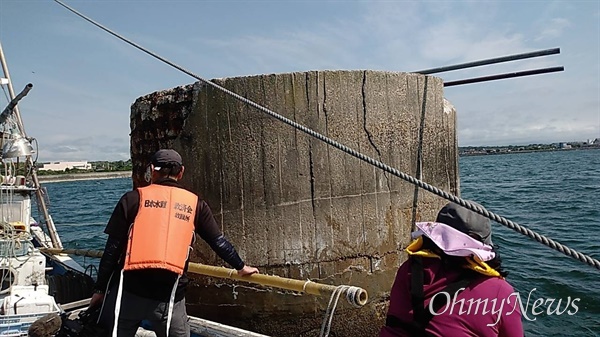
355	295
77	252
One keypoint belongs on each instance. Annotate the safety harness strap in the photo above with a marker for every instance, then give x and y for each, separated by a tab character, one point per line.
417	295
422	315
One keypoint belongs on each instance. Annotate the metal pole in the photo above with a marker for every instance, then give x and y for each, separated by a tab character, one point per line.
38	189
503	76
490	61
11	92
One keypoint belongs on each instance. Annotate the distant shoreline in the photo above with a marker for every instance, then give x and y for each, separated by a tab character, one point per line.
467	154
55	178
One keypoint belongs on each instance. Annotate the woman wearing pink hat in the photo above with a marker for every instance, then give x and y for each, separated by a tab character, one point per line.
452	283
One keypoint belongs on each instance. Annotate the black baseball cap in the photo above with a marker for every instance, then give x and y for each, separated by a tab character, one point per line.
166	158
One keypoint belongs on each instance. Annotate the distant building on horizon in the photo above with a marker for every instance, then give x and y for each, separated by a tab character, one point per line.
64	165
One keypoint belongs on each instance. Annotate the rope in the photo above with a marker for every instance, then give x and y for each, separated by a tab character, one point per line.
91	268
12	241
352	294
326	325
510	224
304	285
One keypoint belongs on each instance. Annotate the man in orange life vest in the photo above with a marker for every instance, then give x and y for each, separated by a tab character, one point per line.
149	238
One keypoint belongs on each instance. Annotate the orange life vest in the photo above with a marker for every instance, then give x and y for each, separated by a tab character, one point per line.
162	232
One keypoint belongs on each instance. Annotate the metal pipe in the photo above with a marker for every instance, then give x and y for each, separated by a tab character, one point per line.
356	296
489	61
503	76
13	103
75	305
56	243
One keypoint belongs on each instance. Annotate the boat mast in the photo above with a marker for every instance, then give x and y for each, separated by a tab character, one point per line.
11	92
56	243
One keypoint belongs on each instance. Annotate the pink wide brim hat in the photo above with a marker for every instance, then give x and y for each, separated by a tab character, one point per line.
454	242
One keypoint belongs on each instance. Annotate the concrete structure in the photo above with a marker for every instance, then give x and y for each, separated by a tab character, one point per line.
294	206
64	165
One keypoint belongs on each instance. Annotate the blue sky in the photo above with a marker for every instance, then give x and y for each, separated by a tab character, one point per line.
86	80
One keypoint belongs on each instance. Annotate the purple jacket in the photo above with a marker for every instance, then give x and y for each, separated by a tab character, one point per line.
486	301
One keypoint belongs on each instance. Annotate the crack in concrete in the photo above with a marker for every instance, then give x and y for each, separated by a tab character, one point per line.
342	258
313	175
263	155
327	148
419	173
241	183
293	80
312	191
387	102
364	106
369	135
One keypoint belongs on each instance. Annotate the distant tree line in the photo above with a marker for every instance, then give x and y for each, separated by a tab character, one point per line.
111	166
475	150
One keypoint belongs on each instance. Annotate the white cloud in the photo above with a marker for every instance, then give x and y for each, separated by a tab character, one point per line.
67	148
554	29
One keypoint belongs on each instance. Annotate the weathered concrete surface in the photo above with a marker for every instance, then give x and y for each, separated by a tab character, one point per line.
294	206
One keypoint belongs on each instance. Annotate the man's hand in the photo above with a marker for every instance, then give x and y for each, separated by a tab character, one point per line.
247	270
96	300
